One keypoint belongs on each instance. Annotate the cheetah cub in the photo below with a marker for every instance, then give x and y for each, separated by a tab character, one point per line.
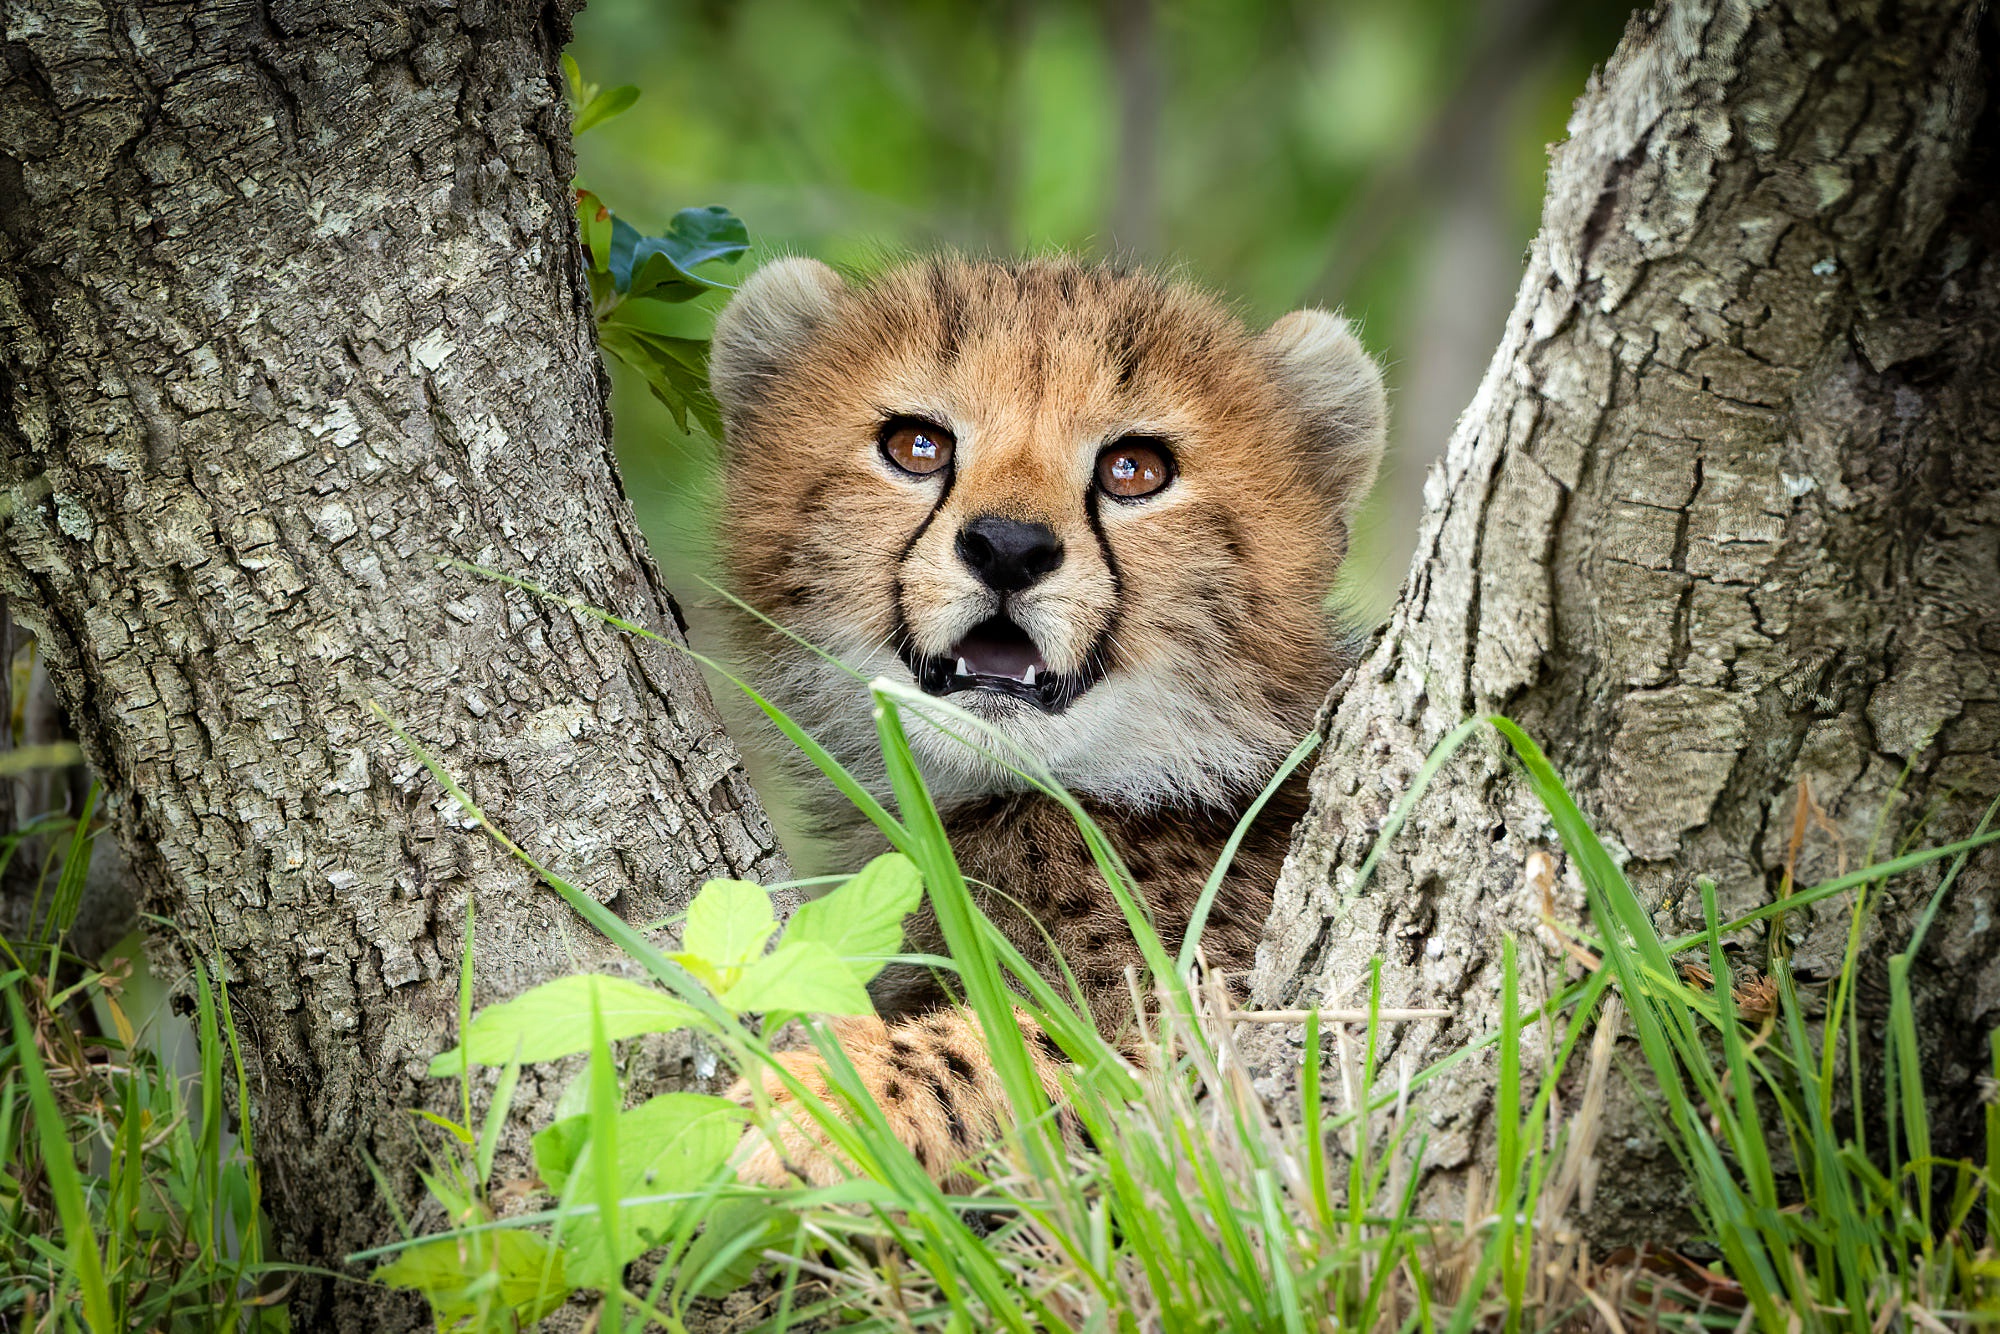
1089	506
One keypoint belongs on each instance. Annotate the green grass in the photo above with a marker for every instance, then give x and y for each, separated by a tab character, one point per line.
1194	1205
1191	1204
124	1204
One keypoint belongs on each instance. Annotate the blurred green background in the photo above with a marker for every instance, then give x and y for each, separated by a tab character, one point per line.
1382	156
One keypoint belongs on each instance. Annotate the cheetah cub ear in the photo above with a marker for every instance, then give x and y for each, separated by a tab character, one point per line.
1337	387
764	328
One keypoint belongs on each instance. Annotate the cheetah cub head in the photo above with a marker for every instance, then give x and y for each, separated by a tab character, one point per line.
1084	503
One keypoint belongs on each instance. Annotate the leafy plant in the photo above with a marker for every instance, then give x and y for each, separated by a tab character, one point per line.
637	282
625	1180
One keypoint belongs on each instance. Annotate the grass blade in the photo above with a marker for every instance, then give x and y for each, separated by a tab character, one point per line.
1199	917
79	1234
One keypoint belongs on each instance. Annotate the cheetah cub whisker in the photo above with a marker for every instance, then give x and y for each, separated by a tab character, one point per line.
1090	507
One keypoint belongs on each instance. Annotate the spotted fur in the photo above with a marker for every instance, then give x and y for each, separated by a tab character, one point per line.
1195	616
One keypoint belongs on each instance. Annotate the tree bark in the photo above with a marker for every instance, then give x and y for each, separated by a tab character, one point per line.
294	312
1722	520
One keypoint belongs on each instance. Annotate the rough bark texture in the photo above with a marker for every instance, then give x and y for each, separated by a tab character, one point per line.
1723	518
293	309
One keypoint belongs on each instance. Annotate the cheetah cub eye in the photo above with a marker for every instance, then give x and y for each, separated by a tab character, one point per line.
1134	467
919	448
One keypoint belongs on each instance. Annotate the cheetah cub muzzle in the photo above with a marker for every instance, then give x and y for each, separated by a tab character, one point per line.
1089	506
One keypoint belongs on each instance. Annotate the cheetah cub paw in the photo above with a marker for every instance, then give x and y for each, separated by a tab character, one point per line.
930	1075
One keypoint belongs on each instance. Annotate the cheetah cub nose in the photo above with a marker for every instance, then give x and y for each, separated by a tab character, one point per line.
1007	554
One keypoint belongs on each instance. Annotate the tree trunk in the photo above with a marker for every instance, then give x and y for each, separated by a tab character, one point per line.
1723	519
294	312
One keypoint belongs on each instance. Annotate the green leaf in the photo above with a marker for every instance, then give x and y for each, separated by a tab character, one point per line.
553	1020
611	102
602	286
690	354
702	234
625	240
682	390
656	275
593	224
802	976
863	919
457	1131
732	1243
556	1148
665	319
728	923
574	1099
704	972
659	266
575	77
674	1144
434	1266
645	266
519	1268
676	1141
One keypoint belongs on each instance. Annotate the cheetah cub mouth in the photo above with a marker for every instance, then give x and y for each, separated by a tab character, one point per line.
998	657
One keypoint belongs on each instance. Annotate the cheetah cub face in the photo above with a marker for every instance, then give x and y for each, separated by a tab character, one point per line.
1083	503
